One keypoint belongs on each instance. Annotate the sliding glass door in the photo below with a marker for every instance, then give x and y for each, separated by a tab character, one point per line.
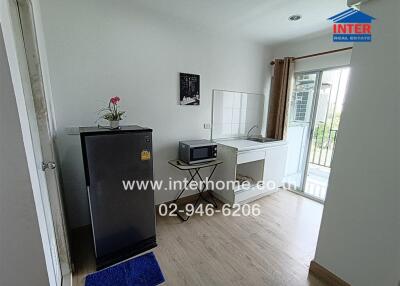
328	112
302	100
315	110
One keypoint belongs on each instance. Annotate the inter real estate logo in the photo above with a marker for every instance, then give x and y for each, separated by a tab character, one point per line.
352	26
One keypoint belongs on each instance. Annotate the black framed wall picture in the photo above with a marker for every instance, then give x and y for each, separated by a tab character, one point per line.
189	89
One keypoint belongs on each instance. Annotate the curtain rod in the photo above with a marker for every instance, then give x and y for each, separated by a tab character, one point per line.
319	54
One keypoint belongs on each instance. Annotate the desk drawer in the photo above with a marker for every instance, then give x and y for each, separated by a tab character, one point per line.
250	156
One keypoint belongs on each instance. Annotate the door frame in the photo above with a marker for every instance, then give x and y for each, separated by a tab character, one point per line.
53	233
313	111
44	117
314	107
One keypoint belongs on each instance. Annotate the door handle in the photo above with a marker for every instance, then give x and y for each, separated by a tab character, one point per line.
48	165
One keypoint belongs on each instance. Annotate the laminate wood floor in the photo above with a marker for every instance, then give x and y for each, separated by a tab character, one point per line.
272	249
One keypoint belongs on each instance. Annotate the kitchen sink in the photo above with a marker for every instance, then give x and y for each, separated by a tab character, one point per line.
262	139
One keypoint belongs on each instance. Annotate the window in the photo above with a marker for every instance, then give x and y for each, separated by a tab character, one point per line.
301	105
302	97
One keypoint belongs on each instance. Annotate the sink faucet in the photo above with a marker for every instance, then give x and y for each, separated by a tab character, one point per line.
251	129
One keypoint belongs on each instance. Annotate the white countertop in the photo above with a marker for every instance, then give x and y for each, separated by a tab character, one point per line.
247	145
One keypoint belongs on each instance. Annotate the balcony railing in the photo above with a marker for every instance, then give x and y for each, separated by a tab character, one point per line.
323	144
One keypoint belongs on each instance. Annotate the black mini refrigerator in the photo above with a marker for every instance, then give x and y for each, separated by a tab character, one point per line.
123	220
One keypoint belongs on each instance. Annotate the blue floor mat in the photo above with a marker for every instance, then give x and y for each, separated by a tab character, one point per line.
139	271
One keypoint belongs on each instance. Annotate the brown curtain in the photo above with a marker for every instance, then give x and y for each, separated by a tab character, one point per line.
279	98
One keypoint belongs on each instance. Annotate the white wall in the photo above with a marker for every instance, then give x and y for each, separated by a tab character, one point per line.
359	238
98	49
312	45
22	259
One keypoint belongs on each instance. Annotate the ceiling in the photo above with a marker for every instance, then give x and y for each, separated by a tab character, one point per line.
264	21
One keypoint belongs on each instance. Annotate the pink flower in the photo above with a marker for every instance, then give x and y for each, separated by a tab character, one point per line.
114	100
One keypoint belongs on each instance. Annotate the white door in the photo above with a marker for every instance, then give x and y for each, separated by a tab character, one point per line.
28	68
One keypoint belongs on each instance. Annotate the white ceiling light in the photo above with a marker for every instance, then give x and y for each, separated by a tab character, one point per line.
295	17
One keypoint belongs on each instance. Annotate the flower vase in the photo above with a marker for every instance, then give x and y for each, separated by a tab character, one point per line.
114	124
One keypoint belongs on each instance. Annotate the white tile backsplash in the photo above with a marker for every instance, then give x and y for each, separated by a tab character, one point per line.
234	113
227	115
227	100
235	129
237	100
226	129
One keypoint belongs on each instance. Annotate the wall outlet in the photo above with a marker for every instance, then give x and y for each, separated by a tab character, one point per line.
207	125
71	130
